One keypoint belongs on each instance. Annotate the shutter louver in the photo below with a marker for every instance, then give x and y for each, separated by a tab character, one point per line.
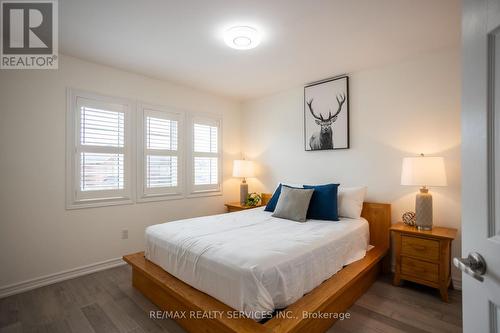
161	134
101	171
205	170
102	128
161	171
205	138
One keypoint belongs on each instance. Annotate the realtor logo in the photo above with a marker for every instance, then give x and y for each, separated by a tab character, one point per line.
29	34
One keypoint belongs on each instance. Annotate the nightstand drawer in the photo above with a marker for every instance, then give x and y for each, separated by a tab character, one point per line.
420	269
420	247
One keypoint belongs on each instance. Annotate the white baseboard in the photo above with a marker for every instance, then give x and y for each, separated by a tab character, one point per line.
41	281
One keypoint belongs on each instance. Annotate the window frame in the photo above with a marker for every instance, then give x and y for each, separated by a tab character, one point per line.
134	153
203	190
75	198
143	194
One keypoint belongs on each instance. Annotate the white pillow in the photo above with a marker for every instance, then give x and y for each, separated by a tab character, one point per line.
350	201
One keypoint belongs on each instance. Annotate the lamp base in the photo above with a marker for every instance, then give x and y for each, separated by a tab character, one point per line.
423	210
243	192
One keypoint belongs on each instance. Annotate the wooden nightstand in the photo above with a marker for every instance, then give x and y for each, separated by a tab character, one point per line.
236	207
424	256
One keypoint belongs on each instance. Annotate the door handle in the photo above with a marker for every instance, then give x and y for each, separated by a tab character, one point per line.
474	265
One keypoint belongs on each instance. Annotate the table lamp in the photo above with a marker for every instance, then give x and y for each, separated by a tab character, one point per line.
243	169
423	171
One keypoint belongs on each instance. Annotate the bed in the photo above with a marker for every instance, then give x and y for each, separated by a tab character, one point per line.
251	262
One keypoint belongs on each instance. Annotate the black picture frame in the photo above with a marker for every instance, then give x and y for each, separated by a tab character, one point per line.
308	117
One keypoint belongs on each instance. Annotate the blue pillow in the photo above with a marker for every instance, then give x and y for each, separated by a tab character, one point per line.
323	205
271	205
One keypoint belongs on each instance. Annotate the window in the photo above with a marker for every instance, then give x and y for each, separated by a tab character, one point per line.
98	150
119	152
160	168
205	155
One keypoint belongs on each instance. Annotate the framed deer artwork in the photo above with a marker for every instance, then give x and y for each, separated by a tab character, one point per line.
326	114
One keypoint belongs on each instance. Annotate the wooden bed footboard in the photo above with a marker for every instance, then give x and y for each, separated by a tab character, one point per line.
314	312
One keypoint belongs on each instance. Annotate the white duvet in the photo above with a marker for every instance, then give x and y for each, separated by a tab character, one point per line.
252	261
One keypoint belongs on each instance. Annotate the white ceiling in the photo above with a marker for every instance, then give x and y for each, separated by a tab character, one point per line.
304	40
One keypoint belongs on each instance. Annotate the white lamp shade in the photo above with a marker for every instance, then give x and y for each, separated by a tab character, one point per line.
243	169
423	171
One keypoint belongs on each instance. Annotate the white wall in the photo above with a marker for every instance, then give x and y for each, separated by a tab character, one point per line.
395	111
38	236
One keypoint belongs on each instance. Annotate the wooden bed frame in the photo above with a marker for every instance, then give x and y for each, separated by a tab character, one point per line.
334	295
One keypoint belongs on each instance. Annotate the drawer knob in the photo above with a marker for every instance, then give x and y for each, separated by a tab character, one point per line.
474	265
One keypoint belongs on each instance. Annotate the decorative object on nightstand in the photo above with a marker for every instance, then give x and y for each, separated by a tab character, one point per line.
243	169
237	206
253	199
423	256
409	218
423	171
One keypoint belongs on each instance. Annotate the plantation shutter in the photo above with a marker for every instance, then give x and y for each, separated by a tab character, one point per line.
161	147
162	158
101	153
206	157
101	143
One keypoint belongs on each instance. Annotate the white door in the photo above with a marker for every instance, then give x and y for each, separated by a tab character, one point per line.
481	164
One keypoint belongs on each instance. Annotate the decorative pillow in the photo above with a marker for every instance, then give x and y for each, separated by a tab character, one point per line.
293	203
323	205
271	205
351	201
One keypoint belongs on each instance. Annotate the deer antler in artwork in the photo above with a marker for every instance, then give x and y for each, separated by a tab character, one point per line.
309	104
340	102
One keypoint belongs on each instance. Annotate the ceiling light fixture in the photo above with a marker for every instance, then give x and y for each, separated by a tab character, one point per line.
242	37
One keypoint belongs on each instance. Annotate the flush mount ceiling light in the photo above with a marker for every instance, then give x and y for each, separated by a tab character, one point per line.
242	37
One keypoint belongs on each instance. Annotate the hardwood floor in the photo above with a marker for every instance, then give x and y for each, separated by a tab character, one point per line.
106	302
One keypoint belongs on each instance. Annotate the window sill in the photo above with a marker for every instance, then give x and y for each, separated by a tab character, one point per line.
144	199
98	203
159	197
199	194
